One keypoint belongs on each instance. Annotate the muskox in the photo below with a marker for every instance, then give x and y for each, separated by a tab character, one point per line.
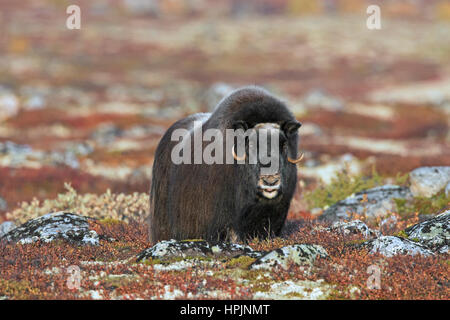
229	201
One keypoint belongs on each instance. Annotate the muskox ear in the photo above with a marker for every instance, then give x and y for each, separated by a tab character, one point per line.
240	125
290	127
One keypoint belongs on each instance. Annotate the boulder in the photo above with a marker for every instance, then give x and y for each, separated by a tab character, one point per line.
428	181
354	227
371	203
390	246
55	226
300	254
433	233
6	227
168	249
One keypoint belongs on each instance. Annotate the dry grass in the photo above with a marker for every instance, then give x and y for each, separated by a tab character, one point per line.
107	205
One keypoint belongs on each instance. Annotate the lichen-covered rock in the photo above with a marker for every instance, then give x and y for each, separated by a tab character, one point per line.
427	181
6	227
434	233
354	227
54	226
13	154
391	245
371	203
301	254
165	250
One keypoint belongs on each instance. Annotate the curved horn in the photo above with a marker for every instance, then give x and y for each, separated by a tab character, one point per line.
235	155
295	161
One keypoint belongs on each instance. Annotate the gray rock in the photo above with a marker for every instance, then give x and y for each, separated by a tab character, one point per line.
434	233
54	226
9	147
300	254
34	102
9	104
6	227
321	99
427	181
67	158
81	148
447	190
391	245
372	203
106	133
168	249
354	227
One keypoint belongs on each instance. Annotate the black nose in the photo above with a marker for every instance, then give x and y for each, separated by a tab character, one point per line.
271	180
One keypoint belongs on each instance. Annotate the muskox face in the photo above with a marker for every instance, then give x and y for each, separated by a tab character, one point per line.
270	156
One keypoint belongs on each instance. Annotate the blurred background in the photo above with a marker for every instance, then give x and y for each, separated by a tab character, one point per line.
89	106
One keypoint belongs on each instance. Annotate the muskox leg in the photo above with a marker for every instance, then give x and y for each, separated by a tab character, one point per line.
261	222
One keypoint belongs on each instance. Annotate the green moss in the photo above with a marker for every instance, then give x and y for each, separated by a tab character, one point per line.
400	204
342	186
242	262
21	290
153	261
296	294
110	222
402	234
119	281
422	205
355	242
336	295
261	286
256	280
401	179
253	275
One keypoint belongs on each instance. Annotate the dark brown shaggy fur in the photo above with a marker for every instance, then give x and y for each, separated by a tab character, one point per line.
191	201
